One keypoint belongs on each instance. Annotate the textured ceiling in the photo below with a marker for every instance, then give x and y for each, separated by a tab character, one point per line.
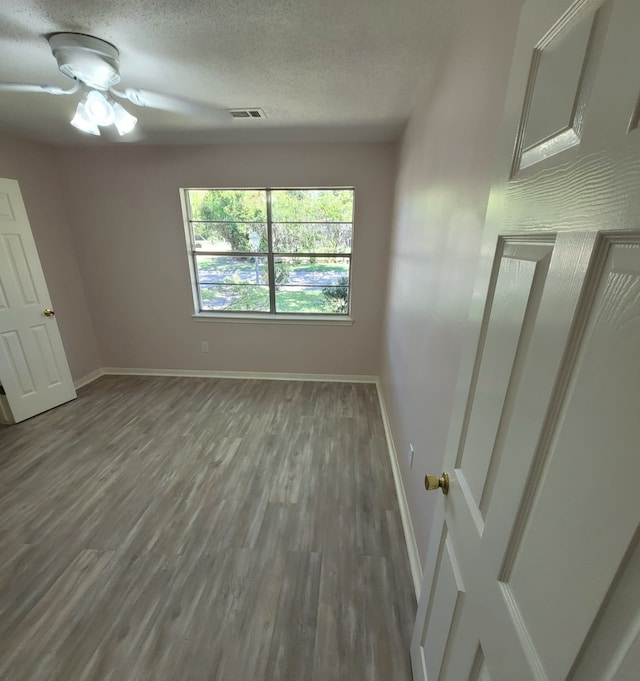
322	70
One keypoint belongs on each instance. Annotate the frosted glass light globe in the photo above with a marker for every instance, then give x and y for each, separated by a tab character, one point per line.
98	109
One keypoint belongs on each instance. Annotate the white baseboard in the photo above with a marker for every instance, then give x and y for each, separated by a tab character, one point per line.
89	378
407	525
267	375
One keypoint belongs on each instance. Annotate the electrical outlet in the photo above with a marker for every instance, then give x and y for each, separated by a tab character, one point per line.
204	346
410	455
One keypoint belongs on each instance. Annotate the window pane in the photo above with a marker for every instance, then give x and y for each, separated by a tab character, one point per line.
308	271
235	205
223	269
312	285
312	205
234	297
230	236
312	299
312	238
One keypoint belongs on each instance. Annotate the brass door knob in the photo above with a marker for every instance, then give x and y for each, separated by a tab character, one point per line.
48	312
433	482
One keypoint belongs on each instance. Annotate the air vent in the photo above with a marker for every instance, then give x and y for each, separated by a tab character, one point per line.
247	113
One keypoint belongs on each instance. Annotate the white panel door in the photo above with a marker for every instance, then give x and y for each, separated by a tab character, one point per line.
33	366
533	570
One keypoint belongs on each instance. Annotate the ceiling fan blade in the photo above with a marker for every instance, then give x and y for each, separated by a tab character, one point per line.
27	87
181	105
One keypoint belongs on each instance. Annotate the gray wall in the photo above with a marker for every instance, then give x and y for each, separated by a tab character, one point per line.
128	229
444	178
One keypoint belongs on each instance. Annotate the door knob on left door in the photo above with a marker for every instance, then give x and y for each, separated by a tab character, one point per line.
48	312
433	482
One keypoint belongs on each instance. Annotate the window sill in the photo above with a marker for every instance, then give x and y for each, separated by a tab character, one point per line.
318	320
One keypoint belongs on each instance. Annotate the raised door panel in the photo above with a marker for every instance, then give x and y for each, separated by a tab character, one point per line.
47	356
20	377
4	303
6	209
21	271
447	605
612	649
511	313
449	644
582	511
563	67
21	277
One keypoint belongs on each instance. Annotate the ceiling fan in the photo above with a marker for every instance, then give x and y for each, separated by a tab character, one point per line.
94	65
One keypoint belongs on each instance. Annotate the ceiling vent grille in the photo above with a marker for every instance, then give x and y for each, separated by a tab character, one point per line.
247	113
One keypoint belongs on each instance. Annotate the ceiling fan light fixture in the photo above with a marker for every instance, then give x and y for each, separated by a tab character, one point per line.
99	109
82	122
94	66
123	120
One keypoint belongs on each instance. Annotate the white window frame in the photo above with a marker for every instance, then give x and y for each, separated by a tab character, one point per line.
200	314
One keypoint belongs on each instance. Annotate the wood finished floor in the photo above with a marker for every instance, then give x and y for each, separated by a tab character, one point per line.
202	529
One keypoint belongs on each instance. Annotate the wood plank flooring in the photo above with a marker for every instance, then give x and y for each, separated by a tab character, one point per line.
203	529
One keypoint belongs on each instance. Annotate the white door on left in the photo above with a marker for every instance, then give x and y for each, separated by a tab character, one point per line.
33	366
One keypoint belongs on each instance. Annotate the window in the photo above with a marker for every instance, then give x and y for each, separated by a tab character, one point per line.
270	251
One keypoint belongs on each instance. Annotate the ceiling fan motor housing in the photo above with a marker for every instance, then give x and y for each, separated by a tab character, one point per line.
87	59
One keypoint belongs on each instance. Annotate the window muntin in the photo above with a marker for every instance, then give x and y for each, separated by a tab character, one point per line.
274	251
